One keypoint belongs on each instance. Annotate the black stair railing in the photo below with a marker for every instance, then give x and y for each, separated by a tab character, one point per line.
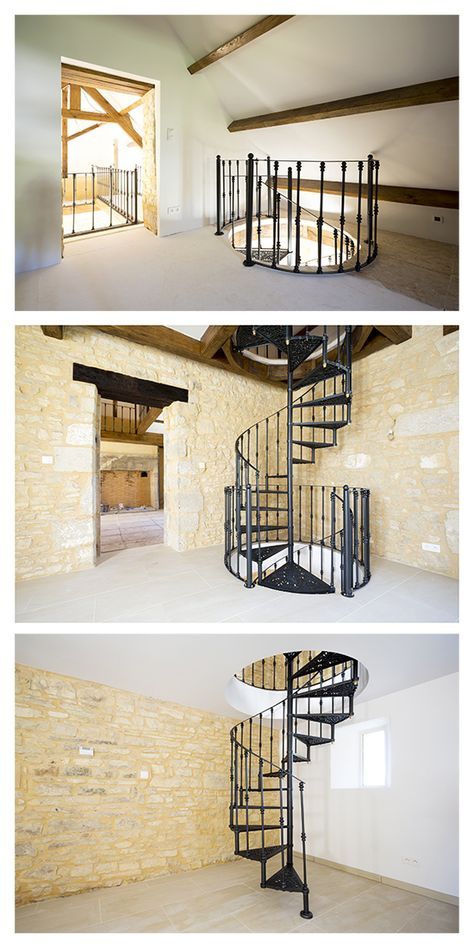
99	200
262	211
264	790
278	531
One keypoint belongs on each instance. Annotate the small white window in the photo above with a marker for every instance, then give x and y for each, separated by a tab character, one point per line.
374	758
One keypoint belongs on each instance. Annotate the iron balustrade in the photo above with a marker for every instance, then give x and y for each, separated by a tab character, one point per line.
122	418
101	199
259	204
280	531
264	790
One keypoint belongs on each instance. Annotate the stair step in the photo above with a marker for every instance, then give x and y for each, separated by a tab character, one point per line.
255	529
342	689
255	806
319	663
259	554
300	348
274	773
252	828
272	477
286	879
301	461
312	740
262	507
339	398
297	760
331	425
323	718
314	445
261	855
293	578
319	374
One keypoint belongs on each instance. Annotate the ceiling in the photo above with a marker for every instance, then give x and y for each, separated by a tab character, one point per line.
313	59
194	670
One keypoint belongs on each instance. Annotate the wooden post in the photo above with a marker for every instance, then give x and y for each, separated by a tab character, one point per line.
64	104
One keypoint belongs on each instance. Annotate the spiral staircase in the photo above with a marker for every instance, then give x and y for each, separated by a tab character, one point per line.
280	532
266	796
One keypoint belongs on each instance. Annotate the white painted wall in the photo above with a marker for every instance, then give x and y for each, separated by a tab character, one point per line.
417	815
141	46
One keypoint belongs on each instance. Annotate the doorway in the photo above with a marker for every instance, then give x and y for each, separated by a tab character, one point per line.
108	151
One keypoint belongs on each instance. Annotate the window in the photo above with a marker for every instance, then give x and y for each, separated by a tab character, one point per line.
374	758
360	756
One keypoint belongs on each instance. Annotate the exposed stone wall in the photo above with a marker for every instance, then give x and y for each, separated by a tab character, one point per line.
412	390
57	425
87	822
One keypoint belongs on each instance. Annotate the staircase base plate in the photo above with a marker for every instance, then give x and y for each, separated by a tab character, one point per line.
293	578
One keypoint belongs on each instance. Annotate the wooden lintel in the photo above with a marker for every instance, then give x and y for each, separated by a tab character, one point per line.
448	329
124	121
258	29
126	388
79	75
55	332
396	334
214	338
397	194
148	418
422	93
106	435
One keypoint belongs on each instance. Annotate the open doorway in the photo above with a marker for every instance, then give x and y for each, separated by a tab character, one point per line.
131	475
108	151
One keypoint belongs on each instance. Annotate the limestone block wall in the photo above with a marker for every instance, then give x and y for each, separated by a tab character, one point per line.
152	800
412	391
57	435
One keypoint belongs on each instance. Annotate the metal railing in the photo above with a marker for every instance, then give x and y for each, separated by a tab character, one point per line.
121	418
101	199
262	209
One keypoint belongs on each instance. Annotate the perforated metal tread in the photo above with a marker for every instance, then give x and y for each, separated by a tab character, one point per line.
318	374
339	399
319	663
286	879
259	554
293	578
312	740
344	688
261	855
323	718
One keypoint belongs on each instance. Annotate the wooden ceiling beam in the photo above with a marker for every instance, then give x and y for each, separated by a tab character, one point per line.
127	388
90	128
214	338
78	75
397	194
360	335
156	439
54	332
124	121
86	116
242	39
395	334
422	93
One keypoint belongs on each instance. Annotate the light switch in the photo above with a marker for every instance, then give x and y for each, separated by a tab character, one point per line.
170	134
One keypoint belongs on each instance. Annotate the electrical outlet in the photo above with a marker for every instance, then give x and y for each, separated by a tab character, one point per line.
438	219
173	211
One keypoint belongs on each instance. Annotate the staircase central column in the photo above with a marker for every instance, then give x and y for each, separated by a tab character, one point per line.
289	753
289	451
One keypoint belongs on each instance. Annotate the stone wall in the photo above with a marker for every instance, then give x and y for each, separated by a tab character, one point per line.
57	432
410	390
152	800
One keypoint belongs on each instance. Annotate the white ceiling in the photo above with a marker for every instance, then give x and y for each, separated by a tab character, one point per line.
317	58
194	670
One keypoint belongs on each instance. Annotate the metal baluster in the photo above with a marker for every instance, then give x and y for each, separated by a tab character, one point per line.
322	167
333	534
335	245
269	184
259	216
370	185
236	795
110	197
289	210
263	864
247	823
238	191
305	913
376	204
250	748
322	533
366	541
263	673
275	211
282	820
347	544
224	221
274	672
218	231
355	495
241	762
311	528
232	209
248	534
278	245
229	185
248	262
135	188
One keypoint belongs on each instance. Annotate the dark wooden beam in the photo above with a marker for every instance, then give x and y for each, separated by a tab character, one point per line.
423	93
448	329
360	335
396	334
106	435
397	194
169	340
125	388
55	332
258	29
214	338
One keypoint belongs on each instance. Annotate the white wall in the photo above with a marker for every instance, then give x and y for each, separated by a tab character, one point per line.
139	45
417	815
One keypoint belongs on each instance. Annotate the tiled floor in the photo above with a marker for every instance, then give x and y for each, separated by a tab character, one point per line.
120	531
228	898
156	584
133	270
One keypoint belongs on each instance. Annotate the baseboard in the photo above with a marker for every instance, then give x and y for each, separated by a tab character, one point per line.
385	880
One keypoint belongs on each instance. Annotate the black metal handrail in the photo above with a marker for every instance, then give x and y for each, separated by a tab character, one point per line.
87	193
264	749
239	198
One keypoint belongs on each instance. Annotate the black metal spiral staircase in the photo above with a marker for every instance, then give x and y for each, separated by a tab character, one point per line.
264	790
280	532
